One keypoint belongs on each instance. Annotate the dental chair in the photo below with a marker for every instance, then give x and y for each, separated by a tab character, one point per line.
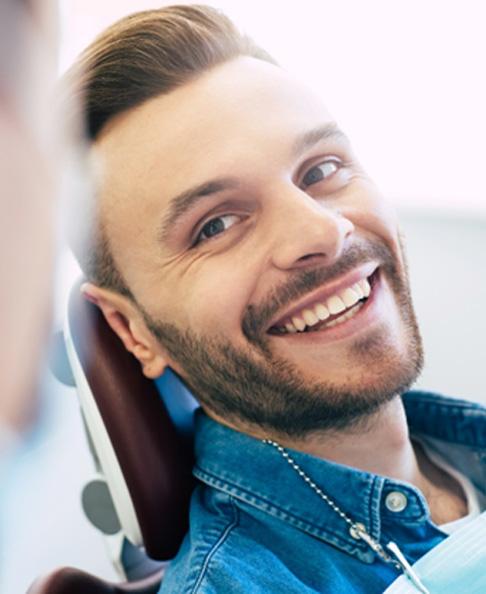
139	497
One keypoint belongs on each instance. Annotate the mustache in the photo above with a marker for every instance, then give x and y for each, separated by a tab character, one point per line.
257	317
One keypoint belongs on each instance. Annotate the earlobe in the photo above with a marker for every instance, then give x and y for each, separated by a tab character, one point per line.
153	364
154	369
127	324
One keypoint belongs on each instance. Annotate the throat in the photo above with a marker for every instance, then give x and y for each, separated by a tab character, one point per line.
447	506
444	494
377	443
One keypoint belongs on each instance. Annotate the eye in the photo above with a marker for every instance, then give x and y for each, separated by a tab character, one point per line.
320	172
216	226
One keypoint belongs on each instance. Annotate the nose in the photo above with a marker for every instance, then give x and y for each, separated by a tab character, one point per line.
305	231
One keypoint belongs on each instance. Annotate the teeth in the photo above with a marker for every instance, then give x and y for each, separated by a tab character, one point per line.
365	286
357	288
321	311
298	323
349	314
335	304
310	318
348	298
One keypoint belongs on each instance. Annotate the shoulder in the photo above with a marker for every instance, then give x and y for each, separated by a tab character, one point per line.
225	551
421	401
213	519
453	420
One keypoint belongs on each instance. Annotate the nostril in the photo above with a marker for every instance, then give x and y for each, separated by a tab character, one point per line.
312	259
308	257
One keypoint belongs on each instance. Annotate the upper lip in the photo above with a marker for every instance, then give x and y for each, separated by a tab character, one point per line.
320	294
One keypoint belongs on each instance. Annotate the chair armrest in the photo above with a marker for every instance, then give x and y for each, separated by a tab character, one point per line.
68	580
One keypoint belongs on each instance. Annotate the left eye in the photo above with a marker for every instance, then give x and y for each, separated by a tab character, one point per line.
216	226
320	172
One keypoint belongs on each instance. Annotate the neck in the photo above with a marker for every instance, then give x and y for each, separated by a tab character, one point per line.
382	445
379	445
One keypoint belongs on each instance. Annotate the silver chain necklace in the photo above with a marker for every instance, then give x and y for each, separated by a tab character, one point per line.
390	554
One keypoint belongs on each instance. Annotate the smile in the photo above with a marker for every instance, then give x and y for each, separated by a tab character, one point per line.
323	313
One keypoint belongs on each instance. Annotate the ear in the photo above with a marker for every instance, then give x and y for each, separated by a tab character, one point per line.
126	321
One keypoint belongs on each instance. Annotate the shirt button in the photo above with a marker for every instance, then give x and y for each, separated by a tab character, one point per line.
396	501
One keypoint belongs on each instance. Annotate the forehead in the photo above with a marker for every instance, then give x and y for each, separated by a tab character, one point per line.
216	111
236	119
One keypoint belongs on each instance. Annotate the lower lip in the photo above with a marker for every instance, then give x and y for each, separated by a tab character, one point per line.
369	314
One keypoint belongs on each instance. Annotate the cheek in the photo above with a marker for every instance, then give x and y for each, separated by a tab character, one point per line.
214	298
374	216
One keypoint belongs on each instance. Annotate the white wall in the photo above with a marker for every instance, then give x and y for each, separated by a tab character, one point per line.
405	78
447	269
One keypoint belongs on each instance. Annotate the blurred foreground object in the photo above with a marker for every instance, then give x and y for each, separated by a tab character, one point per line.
27	199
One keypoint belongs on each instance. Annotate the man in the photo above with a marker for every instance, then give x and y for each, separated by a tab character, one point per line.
236	239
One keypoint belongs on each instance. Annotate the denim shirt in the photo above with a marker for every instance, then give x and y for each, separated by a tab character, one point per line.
257	527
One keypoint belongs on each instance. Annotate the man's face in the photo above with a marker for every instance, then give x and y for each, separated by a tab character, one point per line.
243	225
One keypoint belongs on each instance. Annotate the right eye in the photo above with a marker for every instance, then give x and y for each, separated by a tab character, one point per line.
216	226
321	172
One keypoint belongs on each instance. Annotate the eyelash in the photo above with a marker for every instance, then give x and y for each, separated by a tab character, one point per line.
334	160
199	239
331	160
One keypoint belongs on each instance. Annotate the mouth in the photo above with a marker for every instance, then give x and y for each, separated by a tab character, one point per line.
327	311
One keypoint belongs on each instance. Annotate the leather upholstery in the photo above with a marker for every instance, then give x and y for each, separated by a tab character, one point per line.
73	581
155	461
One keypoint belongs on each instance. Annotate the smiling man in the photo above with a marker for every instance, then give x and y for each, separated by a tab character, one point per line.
237	240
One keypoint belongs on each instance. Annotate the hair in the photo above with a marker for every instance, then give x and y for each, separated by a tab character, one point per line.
140	57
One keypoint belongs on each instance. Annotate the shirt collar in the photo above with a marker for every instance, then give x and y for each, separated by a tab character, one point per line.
448	419
255	473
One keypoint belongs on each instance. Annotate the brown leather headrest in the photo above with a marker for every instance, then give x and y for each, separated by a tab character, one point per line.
154	460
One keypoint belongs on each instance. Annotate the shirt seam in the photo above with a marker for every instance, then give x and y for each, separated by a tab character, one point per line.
335	538
210	554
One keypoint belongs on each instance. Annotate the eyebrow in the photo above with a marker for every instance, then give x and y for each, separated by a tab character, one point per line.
308	139
185	201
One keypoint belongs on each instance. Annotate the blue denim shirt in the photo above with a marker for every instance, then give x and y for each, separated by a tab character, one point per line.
257	527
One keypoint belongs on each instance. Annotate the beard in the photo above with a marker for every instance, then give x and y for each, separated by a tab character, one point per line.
254	387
